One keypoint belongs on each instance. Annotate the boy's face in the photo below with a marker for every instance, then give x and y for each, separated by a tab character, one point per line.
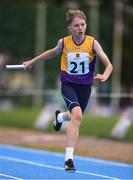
77	27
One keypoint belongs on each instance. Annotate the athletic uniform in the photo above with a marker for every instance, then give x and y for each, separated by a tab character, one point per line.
77	69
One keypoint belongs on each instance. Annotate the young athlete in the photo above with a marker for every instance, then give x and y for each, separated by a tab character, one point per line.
77	74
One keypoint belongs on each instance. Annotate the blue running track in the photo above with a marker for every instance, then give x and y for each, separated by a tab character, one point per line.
24	163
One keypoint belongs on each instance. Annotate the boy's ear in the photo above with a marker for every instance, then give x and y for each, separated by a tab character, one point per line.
69	29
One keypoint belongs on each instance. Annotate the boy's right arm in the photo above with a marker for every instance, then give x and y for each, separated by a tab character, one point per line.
45	55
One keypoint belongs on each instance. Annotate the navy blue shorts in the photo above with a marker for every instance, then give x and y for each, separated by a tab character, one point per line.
76	95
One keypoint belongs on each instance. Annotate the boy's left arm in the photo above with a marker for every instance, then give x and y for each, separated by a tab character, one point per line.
103	57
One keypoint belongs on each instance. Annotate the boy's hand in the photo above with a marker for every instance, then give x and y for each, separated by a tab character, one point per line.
100	77
27	64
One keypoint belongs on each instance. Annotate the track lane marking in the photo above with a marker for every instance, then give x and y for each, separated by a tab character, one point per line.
8	158
9	176
87	159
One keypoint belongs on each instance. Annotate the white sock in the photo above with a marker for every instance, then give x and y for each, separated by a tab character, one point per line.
60	118
69	153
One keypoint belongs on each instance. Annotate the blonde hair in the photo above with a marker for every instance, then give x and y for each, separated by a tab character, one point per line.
71	14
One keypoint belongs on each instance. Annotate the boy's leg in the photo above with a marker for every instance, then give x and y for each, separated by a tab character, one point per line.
72	96
60	117
72	135
64	116
73	126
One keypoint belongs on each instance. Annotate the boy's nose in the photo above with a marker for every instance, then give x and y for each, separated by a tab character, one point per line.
80	27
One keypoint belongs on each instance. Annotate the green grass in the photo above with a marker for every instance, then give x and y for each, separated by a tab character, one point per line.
98	125
93	126
19	117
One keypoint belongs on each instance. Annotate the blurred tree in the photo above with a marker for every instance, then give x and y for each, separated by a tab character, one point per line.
17	28
127	61
117	50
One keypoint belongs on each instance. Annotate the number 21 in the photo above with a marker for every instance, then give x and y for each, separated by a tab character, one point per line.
74	69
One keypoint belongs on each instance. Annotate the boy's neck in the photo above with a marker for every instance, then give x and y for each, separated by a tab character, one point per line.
78	39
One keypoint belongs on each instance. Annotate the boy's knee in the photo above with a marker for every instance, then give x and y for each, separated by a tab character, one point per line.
76	114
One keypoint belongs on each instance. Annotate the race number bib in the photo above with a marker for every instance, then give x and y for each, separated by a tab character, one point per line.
78	63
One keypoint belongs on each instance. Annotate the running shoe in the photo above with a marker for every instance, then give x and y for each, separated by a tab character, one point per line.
57	125
69	166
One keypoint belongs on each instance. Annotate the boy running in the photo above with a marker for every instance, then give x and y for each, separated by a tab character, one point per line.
77	74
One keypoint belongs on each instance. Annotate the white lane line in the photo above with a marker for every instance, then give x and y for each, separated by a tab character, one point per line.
106	162
52	167
9	176
87	159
